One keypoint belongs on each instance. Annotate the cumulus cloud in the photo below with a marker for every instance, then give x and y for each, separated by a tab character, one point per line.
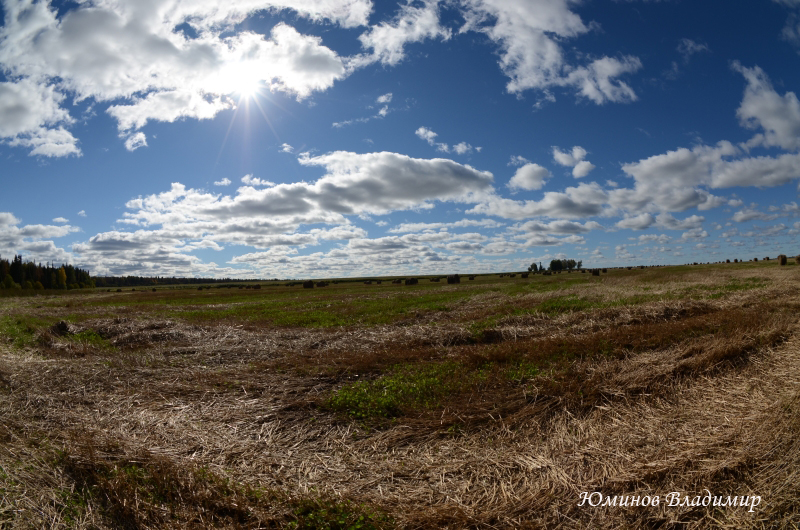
688	47
60	220
82	213
529	177
135	141
560	227
529	36
518	160
637	222
31	116
286	148
575	160
749	214
250	180
224	182
463	223
137	54
172	223
585	200
388	40
778	117
33	242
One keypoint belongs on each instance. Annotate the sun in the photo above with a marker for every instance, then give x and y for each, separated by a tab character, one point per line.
247	88
244	81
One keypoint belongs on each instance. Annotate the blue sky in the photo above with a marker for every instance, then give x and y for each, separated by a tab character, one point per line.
333	138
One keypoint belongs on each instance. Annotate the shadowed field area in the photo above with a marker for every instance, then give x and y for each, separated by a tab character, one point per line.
491	403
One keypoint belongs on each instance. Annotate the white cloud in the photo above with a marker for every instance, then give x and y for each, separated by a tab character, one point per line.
426	134
749	214
224	182
688	47
585	200
763	108
31	116
34	242
638	222
529	36
286	148
137	54
418	227
654	238
250	180
82	213
60	220
529	177
582	168
384	99
695	233
387	40
135	141
177	221
575	160
517	160
462	148
560	227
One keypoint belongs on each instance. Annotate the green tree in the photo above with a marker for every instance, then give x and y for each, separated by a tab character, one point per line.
533	268
556	265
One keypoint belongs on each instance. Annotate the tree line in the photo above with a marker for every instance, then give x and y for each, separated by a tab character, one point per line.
557	265
16	274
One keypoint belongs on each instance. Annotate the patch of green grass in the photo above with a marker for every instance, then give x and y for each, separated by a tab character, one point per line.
90	338
333	310
331	514
523	371
412	386
565	304
21	331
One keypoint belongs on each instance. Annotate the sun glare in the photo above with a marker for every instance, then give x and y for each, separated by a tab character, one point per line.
247	87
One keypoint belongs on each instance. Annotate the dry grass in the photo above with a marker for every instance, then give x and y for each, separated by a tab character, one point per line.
146	422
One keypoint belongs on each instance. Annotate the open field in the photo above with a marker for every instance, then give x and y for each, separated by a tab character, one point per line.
489	403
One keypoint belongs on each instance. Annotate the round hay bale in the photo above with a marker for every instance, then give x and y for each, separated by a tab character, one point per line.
782	259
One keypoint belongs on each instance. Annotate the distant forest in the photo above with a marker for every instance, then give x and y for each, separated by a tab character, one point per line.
15	274
136	281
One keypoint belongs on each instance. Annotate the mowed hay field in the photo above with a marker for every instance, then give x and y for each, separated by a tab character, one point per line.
492	403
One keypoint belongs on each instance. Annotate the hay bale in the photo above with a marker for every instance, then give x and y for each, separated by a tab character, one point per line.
727	261
308	285
472	277
782	259
735	260
524	275
595	272
583	271
62	328
766	258
322	284
412	281
797	259
453	278
605	271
